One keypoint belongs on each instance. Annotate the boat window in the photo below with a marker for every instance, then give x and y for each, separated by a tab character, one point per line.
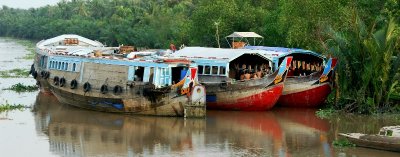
66	66
73	67
163	73
200	69
139	71
167	71
59	65
215	70
207	70
62	66
222	70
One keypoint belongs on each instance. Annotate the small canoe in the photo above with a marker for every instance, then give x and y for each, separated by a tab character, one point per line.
388	143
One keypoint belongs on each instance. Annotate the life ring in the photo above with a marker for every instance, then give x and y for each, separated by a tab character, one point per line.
87	87
32	69
56	80
34	74
74	84
117	89
42	73
223	84
46	75
104	89
62	82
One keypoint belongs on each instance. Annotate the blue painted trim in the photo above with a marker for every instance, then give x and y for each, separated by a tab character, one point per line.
81	73
131	73
146	74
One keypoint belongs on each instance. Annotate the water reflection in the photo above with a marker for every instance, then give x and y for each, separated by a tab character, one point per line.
281	132
306	134
76	132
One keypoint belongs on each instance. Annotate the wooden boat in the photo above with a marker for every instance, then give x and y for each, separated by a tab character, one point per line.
309	80
71	67
226	75
387	139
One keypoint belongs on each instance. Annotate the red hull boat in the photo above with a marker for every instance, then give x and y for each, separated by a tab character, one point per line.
308	91
223	71
308	96
253	100
307	85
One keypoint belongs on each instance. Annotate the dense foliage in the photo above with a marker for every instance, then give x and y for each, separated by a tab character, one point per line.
156	23
361	33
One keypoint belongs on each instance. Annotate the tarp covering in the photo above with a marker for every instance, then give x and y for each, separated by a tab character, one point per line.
60	38
244	35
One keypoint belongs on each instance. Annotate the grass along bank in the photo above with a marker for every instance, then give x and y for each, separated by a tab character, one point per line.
19	87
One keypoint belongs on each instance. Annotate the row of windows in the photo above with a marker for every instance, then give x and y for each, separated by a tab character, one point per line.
62	65
211	70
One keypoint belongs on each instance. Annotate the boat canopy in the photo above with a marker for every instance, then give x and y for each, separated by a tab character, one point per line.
224	62
240	36
75	39
283	51
228	55
277	54
244	35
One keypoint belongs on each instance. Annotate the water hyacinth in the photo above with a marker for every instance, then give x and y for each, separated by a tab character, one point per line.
19	87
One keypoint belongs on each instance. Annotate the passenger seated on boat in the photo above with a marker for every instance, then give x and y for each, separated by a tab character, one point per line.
254	76
308	69
259	73
247	75
291	70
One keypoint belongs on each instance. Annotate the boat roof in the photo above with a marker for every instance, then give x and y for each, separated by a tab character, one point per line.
281	52
222	54
244	35
60	38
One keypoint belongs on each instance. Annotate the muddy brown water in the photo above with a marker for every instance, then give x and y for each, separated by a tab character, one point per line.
49	128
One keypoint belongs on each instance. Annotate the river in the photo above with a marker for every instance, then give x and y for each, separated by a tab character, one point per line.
49	128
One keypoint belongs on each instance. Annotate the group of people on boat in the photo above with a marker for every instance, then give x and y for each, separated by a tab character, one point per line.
303	68
248	71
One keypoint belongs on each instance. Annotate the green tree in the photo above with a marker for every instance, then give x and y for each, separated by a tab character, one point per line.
367	66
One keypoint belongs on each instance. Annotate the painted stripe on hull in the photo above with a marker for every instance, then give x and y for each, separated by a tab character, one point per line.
310	97
258	100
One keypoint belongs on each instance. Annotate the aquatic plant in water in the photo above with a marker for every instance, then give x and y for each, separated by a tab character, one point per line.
14	73
341	143
325	113
8	107
29	46
19	87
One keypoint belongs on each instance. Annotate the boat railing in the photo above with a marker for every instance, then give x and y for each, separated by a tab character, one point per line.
299	79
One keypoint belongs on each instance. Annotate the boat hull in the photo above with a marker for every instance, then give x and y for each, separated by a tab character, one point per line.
306	96
373	141
256	99
128	102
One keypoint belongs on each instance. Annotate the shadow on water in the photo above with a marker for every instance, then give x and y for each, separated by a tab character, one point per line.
280	132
